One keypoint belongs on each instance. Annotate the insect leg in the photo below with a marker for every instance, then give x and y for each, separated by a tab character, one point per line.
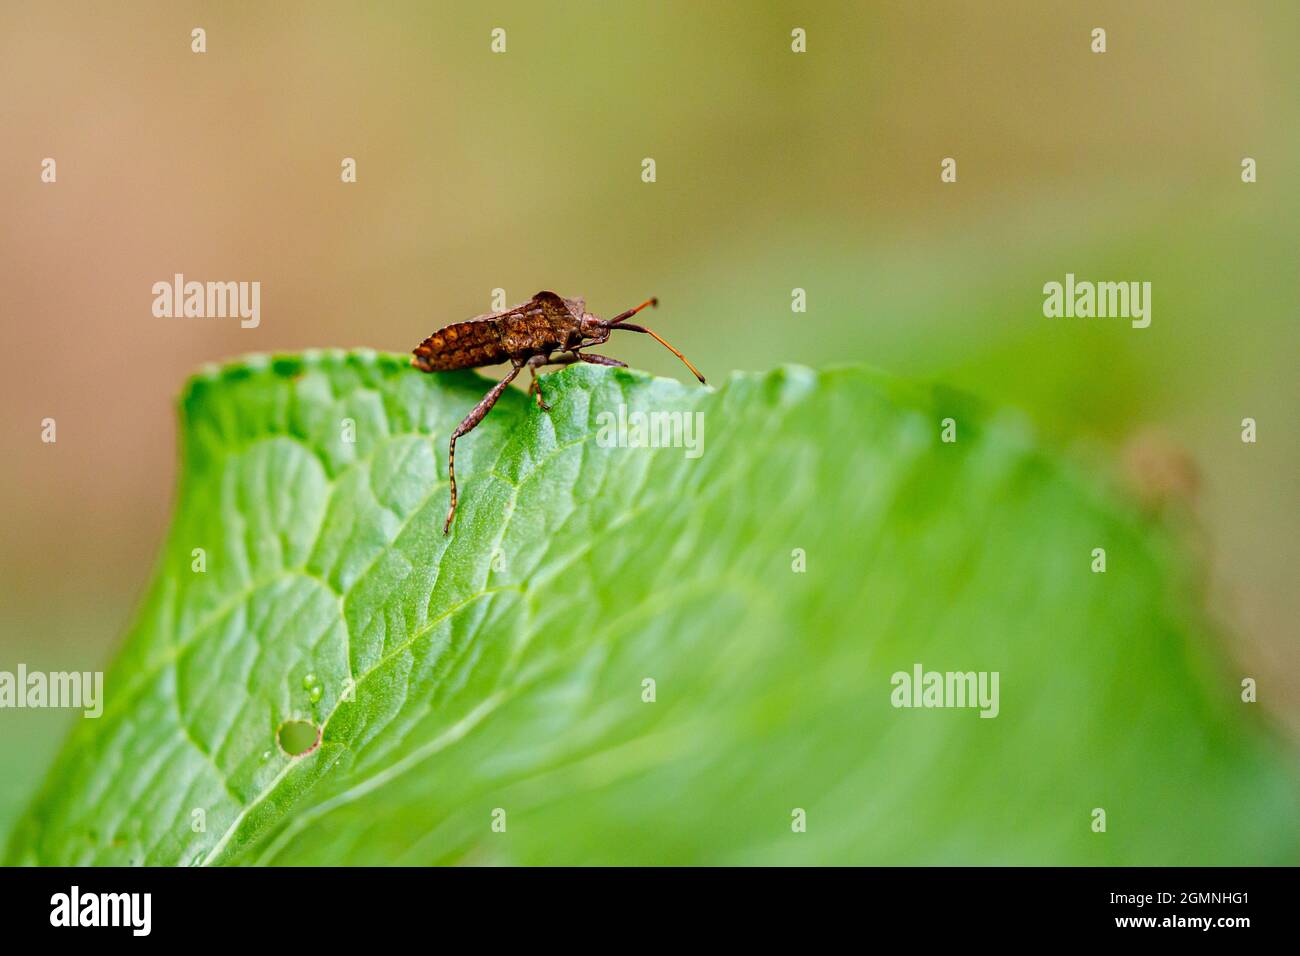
601	360
534	363
535	387
471	420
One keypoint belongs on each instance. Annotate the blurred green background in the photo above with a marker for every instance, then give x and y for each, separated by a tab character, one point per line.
775	170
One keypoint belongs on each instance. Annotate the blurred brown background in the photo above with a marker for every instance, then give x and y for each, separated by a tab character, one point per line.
522	170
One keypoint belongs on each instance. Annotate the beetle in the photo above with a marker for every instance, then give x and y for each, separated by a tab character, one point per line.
526	336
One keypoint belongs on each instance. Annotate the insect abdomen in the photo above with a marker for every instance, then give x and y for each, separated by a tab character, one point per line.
461	345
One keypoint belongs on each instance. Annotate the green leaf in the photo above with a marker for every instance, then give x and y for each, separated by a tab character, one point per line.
501	668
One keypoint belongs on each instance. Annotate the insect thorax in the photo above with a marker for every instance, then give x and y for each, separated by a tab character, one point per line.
523	335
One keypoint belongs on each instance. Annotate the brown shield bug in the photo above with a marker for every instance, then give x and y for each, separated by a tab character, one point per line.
526	336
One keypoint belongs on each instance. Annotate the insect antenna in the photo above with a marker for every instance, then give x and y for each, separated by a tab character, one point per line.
631	312
685	360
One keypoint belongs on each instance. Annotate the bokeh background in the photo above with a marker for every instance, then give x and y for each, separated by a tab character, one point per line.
775	170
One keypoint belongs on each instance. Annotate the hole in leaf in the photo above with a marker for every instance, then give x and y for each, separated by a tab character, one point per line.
298	737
